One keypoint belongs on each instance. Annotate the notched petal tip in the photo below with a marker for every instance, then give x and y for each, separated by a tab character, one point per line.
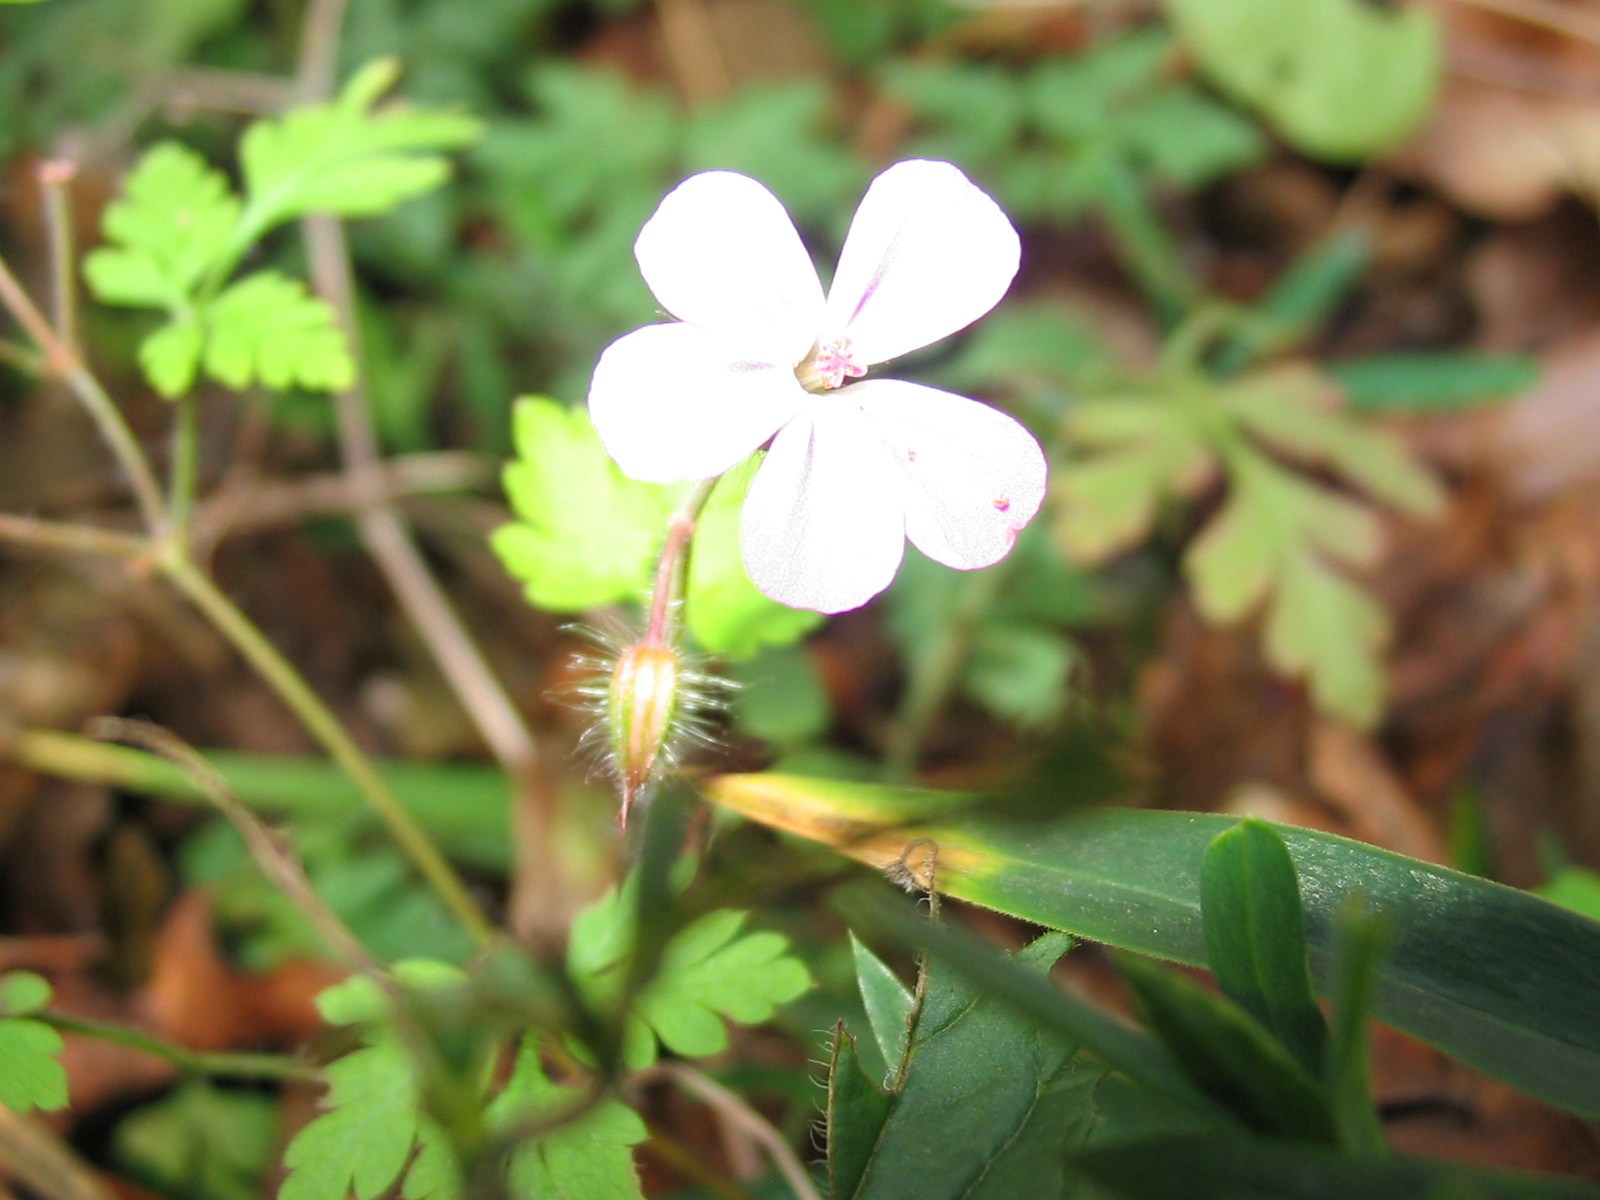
928	253
721	253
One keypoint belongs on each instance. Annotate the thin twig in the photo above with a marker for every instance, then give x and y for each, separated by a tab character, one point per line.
276	861
292	688
44	1162
318	59
691	42
389	542
248	506
1564	19
237	1065
76	539
738	1113
63	361
54	178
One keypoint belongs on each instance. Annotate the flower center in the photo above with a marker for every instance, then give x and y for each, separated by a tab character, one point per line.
828	366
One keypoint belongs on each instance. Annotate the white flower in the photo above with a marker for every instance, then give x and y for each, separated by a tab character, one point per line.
757	351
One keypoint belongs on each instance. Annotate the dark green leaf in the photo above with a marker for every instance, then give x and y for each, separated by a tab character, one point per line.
1235	1167
889	1004
1359	943
1023	1099
1256	937
1229	1055
1441	382
1499	978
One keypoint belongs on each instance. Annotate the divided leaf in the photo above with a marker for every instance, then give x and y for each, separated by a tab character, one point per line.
267	328
31	1075
588	1158
363	1139
173	225
584	532
585	535
709	972
343	158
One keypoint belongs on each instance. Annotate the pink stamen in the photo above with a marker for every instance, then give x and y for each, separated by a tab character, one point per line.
830	366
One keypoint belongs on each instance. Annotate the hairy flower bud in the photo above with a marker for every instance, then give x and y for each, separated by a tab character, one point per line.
640	707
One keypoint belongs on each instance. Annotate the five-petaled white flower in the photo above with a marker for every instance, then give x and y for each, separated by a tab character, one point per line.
757	351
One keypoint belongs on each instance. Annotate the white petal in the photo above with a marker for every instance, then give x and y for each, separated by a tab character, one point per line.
675	402
928	253
822	526
721	253
973	476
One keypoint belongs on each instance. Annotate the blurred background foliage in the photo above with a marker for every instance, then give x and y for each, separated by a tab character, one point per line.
1306	322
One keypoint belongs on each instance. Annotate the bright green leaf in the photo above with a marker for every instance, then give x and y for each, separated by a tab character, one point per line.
710	971
268	329
889	1004
345	159
363	1139
22	993
585	1159
1301	64
1272	543
170	356
172	226
584	533
31	1075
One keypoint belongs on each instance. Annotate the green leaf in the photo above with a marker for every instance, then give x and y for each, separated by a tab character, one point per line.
1291	408
1573	887
584	1159
1437	382
727	614
1360	939
22	993
1300	299
781	698
1300	66
1256	937
268	329
889	1004
364	1137
201	1142
170	357
1229	1055
1498	978
708	972
1145	450
1024	1099
1222	1166
372	1117
1020	673
584	532
173	225
31	1076
1270	544
345	159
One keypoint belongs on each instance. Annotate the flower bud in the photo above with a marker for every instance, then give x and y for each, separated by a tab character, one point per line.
640	708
